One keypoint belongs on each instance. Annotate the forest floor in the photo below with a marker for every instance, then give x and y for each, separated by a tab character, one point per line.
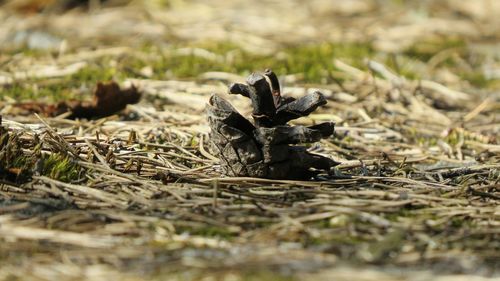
413	86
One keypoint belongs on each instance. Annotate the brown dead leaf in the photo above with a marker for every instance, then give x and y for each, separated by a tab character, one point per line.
108	99
41	108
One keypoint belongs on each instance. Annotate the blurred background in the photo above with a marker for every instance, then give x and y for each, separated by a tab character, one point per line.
450	41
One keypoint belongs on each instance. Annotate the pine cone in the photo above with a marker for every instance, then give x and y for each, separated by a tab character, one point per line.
267	149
